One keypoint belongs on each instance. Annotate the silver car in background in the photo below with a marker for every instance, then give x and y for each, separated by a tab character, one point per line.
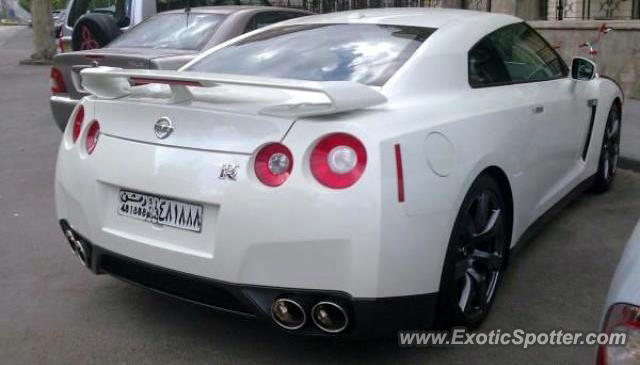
623	308
104	20
165	41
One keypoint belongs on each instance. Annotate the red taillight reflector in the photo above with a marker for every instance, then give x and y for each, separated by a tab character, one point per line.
92	136
399	173
57	81
338	160
78	118
621	319
273	164
144	81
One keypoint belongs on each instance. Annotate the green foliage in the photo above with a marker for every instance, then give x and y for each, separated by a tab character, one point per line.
55	4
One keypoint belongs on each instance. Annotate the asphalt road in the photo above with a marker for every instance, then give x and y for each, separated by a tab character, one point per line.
54	311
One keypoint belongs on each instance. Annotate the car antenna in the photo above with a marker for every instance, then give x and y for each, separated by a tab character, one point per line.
187	11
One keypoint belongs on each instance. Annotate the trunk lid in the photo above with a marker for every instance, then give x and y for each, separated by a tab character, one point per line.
224	119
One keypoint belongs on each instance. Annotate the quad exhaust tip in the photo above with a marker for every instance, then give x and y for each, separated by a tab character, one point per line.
329	317
288	314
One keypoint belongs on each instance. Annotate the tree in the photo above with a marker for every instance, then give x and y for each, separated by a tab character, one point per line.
55	4
44	46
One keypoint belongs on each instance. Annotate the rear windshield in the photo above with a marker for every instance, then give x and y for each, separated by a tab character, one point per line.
187	31
366	53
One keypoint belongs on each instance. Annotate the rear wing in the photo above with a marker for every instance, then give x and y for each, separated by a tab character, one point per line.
342	96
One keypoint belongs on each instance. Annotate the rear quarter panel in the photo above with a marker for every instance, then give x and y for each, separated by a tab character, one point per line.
414	234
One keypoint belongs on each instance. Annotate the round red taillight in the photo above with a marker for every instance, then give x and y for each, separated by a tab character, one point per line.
77	123
338	160
57	82
92	136
273	164
621	319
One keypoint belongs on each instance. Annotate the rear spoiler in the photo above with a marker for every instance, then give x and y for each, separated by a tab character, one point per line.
343	96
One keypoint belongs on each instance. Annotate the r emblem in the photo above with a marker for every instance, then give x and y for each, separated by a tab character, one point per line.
229	171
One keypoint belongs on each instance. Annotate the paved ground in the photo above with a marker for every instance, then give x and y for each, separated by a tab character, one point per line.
53	311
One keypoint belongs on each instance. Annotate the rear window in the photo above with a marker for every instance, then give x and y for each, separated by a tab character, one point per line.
186	31
366	53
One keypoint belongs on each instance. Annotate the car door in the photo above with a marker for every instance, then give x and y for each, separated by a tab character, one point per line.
559	116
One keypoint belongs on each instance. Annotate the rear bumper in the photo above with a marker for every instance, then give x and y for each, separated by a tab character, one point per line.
369	317
300	235
61	108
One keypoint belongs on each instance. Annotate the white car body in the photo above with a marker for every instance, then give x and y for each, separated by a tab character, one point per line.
624	293
624	286
362	240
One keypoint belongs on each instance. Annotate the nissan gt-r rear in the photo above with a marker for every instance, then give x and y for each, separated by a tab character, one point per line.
345	174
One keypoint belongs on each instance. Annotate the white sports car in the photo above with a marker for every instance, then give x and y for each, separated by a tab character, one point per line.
343	174
623	308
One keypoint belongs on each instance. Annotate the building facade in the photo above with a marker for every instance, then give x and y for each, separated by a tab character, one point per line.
526	9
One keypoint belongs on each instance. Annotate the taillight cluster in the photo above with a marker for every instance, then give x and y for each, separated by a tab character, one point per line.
623	319
273	164
57	81
78	119
93	132
337	161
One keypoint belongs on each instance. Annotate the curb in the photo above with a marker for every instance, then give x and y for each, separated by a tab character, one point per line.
32	62
629	164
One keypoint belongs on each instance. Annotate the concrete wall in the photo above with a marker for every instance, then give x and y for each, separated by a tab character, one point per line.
618	52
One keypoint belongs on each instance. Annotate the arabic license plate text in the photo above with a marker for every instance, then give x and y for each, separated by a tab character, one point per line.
159	210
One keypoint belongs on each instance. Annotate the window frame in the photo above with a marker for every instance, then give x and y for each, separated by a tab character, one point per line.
563	64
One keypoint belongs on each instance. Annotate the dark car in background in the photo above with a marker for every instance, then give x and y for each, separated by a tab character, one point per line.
165	41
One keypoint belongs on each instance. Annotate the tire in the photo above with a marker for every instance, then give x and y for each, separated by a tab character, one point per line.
476	257
94	31
609	151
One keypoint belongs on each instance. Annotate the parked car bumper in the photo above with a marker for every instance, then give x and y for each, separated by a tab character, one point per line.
367	317
62	107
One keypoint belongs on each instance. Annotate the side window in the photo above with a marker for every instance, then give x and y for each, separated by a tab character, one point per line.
267	18
486	67
525	56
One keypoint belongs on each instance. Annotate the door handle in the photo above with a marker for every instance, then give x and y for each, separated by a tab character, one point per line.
537	109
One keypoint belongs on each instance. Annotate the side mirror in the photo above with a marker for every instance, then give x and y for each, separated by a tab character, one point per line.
583	69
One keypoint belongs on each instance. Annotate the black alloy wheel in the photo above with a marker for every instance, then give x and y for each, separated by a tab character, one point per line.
476	256
609	152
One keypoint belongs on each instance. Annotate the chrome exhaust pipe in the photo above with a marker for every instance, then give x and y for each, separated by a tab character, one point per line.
77	246
288	313
329	317
81	253
71	238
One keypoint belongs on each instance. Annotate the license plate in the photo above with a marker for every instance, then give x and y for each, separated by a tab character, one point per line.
160	210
